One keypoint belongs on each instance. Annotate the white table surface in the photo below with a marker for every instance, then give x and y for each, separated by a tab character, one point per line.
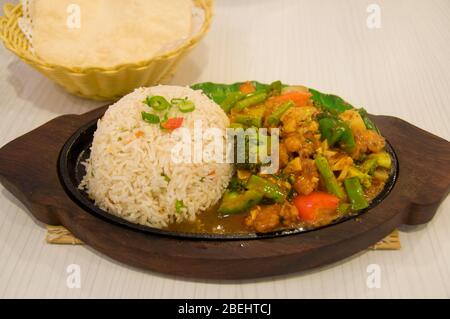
401	69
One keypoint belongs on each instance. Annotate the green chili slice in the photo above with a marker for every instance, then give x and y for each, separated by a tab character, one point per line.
150	118
184	105
157	102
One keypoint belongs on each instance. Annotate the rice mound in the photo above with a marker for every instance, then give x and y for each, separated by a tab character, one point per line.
130	172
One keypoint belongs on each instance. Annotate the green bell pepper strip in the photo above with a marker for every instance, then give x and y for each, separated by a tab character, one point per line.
331	130
275	117
347	140
335	131
158	103
248	120
250	100
328	177
355	194
336	105
236	203
267	188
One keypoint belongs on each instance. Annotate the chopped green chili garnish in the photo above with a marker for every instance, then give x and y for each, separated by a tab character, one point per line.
157	102
177	101
150	118
184	105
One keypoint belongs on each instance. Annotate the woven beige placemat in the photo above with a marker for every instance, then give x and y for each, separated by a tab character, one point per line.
390	242
61	236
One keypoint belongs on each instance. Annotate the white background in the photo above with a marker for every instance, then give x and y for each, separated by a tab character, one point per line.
402	69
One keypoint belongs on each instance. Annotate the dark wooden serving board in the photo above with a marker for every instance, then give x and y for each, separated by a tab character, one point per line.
28	169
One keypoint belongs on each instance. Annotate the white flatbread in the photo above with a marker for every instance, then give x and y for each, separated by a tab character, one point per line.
111	32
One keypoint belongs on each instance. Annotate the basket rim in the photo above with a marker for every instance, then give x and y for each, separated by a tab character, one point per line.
12	11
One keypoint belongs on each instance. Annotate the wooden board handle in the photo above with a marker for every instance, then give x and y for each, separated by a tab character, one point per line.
425	160
28	164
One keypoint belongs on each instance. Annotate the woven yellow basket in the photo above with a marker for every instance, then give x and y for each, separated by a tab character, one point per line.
100	83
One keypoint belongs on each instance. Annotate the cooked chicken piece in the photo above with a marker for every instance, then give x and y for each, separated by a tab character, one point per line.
354	120
293	166
296	117
293	142
284	156
340	162
308	179
288	214
264	218
303	144
289	124
310	144
367	141
375	142
300	131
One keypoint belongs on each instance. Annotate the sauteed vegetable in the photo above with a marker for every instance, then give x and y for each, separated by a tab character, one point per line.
332	160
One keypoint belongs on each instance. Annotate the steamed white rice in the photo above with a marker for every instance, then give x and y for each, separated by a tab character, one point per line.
126	173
